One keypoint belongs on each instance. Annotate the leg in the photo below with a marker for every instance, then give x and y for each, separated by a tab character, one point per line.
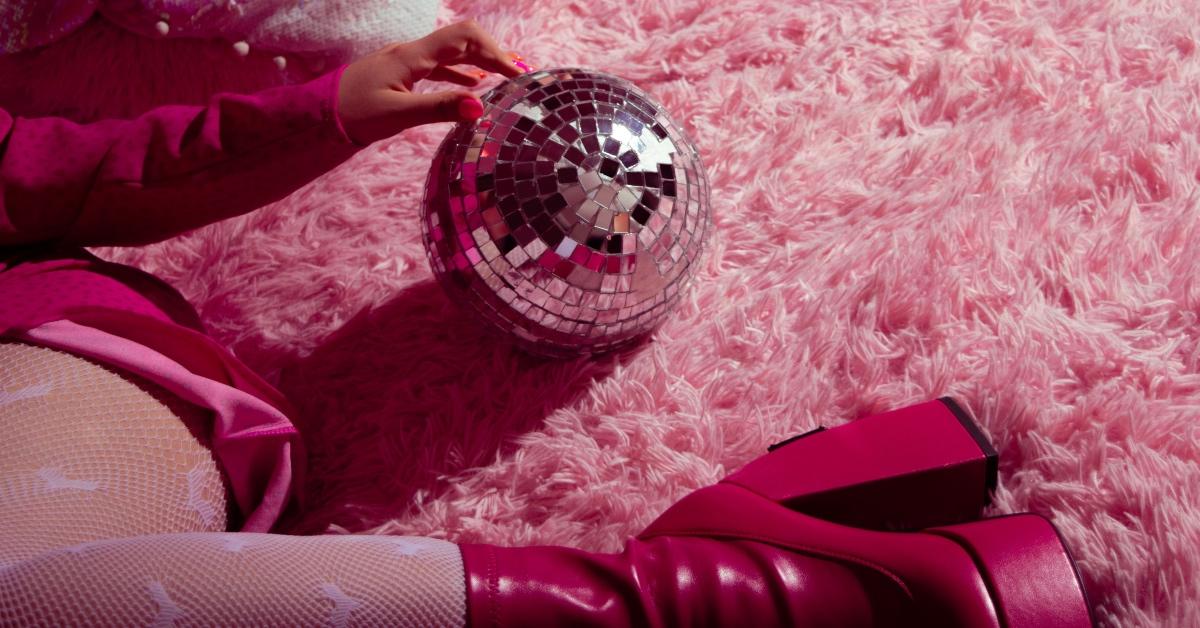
726	554
236	578
89	454
112	511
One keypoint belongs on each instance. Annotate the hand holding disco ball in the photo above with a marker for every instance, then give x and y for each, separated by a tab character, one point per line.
571	215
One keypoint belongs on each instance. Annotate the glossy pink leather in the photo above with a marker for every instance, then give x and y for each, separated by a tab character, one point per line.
725	556
909	468
672	582
1026	562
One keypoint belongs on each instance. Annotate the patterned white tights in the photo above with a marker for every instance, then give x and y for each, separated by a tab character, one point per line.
113	511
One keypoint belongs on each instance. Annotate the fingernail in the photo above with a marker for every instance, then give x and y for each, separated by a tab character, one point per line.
470	108
524	67
481	75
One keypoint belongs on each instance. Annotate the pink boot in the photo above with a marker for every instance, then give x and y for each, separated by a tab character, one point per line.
727	557
924	465
736	554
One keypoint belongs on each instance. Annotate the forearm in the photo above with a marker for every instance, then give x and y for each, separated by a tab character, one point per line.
176	168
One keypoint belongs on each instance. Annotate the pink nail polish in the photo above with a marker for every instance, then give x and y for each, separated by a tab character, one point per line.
470	108
524	67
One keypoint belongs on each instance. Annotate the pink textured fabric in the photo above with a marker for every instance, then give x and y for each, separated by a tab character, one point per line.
993	200
170	170
26	24
41	285
332	29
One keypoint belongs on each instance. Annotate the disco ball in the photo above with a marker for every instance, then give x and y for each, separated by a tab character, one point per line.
571	215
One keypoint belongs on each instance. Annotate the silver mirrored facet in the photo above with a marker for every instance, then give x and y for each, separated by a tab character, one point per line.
571	215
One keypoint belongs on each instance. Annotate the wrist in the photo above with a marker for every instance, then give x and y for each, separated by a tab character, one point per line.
336	99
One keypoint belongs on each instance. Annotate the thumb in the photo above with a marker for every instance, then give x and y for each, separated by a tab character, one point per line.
455	106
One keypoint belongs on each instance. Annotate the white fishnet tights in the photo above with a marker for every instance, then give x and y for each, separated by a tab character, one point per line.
112	510
88	454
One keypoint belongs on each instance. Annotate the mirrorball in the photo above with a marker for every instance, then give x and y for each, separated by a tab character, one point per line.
571	216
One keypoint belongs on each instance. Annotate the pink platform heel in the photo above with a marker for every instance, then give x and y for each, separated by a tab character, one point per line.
1022	577
724	556
752	550
923	465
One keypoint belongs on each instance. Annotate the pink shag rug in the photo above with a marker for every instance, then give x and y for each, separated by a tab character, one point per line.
993	200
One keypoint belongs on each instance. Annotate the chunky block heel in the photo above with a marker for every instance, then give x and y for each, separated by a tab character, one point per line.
1029	571
916	467
1012	572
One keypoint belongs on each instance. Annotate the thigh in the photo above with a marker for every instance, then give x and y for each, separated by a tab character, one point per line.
89	452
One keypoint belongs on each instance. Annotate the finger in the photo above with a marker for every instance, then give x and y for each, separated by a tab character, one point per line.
519	61
417	109
467	42
457	76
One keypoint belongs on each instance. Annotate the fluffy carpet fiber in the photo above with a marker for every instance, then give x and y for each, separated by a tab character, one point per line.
997	201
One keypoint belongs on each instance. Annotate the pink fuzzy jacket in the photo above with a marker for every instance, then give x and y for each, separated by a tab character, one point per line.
64	186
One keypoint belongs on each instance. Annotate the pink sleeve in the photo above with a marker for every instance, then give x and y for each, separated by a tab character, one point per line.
175	168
